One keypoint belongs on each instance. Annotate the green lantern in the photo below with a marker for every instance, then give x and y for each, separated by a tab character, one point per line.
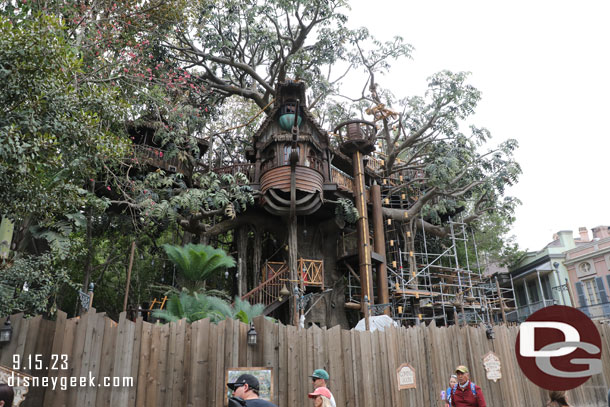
287	120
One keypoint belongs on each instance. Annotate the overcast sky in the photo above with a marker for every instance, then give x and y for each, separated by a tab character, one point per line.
544	71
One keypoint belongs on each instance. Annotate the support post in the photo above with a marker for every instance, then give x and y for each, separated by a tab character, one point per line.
570	293
364	252
242	256
133	250
541	290
501	300
383	295
293	264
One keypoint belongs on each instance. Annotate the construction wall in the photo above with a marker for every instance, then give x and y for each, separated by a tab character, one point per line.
182	364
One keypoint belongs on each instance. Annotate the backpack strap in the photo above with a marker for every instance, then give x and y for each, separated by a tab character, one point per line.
473	389
451	393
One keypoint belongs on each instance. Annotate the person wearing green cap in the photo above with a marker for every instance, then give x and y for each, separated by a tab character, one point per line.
465	393
320	378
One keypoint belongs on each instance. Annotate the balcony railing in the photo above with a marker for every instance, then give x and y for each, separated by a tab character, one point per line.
343	181
312	272
157	158
597	311
521	313
244	168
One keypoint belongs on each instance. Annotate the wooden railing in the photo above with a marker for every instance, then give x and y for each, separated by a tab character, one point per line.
315	163
374	163
157	158
343	181
276	274
312	272
310	161
268	291
244	168
348	244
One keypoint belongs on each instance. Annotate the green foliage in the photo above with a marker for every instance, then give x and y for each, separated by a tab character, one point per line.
493	240
55	132
198	306
194	307
31	285
244	47
345	211
197	263
246	312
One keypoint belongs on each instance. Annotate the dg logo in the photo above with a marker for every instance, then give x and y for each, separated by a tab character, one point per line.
559	348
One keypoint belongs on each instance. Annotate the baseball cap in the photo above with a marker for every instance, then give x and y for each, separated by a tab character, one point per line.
461	369
248	379
320	391
320	374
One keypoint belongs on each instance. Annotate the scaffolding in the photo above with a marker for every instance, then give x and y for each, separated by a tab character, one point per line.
431	278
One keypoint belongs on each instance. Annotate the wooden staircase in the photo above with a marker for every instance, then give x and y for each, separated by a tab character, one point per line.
276	275
268	292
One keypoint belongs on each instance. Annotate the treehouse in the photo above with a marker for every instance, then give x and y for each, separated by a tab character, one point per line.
300	257
149	151
290	156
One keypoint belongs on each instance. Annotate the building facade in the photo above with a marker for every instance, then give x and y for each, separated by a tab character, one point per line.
541	279
588	266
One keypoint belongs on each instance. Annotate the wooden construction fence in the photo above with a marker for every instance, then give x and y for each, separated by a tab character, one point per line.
182	364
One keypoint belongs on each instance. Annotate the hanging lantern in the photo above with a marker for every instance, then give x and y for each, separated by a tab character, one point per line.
287	112
490	332
284	291
252	335
6	332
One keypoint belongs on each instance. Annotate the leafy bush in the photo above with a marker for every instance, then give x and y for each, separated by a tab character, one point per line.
31	285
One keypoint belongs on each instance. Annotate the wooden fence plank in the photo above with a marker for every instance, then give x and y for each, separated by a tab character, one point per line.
122	359
144	365
203	358
161	375
188	365
135	361
152	395
184	365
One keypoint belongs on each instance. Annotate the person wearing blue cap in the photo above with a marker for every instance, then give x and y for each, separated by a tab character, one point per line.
320	378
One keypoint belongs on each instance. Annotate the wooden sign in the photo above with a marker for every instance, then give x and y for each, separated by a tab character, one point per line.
405	374
263	374
492	365
16	380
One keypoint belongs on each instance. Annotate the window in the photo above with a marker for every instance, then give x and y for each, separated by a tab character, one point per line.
591	294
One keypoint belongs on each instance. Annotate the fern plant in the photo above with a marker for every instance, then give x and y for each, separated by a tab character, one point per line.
197	263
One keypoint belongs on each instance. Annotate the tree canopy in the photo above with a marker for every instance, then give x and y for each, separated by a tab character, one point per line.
83	80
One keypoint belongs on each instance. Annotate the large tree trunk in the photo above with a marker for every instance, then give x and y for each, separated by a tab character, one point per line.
292	264
242	256
256	256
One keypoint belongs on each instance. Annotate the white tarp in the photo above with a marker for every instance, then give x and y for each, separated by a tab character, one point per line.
379	322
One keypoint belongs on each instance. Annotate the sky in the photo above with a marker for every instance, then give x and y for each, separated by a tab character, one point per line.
544	71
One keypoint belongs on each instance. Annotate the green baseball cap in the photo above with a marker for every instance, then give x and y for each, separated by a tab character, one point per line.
320	374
